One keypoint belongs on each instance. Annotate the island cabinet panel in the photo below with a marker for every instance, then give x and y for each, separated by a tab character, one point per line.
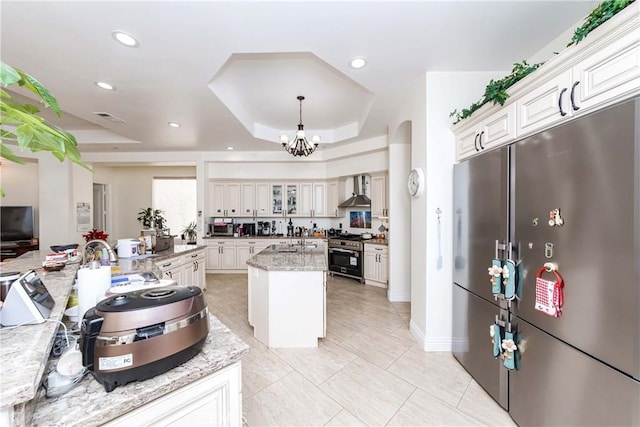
194	270
214	400
173	269
287	309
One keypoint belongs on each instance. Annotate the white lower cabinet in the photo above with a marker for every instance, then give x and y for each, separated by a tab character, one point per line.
245	249
221	255
188	269
215	400
376	264
194	270
172	268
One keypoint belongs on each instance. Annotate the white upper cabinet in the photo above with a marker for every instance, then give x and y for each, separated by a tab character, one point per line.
601	70
333	198
248	199
263	199
224	199
379	195
312	201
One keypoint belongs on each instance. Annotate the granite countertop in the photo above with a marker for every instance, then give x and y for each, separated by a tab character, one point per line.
272	237
23	350
221	349
274	258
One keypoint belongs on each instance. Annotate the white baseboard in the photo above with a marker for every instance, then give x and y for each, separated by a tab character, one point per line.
393	297
428	343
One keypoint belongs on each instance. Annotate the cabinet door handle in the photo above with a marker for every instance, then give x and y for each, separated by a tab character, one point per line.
475	142
562	113
480	140
169	274
573	90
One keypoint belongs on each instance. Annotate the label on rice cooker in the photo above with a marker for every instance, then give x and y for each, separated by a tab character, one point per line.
115	362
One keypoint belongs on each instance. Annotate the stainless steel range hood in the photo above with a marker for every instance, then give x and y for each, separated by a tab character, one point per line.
358	199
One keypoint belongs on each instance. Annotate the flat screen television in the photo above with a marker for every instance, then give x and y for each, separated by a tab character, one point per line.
16	223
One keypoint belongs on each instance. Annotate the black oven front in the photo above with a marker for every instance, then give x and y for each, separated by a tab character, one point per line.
346	262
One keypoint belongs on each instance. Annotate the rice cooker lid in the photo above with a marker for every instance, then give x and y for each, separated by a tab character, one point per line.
146	298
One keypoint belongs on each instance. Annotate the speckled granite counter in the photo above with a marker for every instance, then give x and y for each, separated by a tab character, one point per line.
293	258
89	405
25	350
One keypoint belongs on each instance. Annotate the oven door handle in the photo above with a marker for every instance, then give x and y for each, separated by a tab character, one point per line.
345	251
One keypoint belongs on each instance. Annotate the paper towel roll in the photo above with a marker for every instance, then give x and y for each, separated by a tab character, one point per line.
93	283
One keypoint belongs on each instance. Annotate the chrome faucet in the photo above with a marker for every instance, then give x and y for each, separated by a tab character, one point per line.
112	255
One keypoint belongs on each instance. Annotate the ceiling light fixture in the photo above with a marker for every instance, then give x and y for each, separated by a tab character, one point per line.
105	86
125	39
230	148
299	146
174	124
358	63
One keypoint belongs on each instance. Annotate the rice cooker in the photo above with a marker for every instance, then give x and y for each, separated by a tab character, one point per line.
137	335
127	248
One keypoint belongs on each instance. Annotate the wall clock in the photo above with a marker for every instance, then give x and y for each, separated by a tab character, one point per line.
415	182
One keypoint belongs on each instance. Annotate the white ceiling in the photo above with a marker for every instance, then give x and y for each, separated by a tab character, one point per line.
229	72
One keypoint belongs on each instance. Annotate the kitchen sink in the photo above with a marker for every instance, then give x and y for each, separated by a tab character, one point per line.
294	248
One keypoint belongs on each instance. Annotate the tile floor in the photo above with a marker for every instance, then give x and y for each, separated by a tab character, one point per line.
369	370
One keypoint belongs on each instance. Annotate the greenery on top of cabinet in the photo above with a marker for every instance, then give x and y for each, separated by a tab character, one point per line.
496	91
599	15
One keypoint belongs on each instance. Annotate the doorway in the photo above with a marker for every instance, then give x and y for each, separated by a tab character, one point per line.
100	207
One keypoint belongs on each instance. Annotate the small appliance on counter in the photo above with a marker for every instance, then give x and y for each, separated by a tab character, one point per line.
27	301
138	335
127	248
249	228
221	227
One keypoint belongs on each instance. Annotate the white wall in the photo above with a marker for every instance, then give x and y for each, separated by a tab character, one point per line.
129	190
62	185
399	203
20	184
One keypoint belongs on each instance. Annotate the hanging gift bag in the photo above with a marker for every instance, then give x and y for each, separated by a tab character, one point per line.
549	293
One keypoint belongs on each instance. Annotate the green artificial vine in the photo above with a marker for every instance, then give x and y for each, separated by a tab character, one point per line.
496	91
598	16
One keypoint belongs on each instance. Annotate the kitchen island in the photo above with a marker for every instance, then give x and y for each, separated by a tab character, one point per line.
200	383
287	295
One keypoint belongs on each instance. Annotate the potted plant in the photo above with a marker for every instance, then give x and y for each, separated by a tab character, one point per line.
149	216
190	233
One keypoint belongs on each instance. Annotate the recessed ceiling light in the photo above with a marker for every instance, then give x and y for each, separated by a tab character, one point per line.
125	39
358	63
105	86
230	148
174	124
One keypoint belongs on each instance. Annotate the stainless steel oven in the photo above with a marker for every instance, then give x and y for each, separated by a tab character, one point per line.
345	257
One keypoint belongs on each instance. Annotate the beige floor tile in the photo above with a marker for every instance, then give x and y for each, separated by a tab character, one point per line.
368	392
437	373
316	364
376	347
479	405
423	409
404	334
260	369
345	419
402	307
291	401
338	331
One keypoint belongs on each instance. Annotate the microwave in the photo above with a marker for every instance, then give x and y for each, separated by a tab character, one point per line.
221	229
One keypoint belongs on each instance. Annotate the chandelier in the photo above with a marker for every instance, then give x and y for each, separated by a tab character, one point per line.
299	145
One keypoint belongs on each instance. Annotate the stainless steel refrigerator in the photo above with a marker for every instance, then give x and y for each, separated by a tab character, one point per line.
567	198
